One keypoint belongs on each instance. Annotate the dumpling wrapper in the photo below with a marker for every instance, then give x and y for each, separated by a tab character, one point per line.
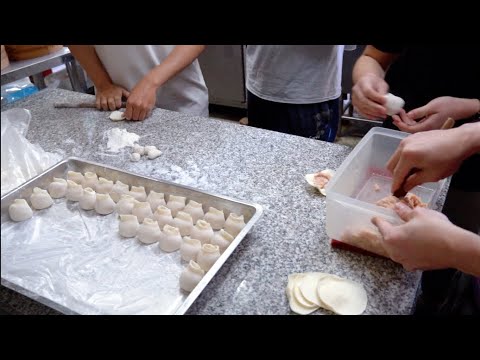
308	288
117	115
342	296
328	174
294	304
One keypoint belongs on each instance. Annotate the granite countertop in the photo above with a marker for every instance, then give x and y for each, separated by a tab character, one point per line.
244	163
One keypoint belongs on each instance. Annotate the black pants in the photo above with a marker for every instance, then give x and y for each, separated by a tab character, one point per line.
449	291
319	121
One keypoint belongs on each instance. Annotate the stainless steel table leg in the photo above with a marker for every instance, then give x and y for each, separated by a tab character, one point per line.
77	78
39	81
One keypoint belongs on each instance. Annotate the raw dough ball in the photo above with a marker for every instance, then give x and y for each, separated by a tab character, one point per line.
195	209
170	240
118	190
104	186
215	217
104	204
156	199
153	154
134	157
140	150
142	210
183	222
117	115
74	191
191	276
190	248
88	200
207	256
394	104
128	226
75	176
223	239
149	148
138	193
202	231
163	215
19	210
57	188
176	203
149	232
125	205
234	224
90	180
40	199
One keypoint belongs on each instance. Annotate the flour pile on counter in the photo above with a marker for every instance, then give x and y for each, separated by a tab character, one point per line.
163	219
307	292
120	138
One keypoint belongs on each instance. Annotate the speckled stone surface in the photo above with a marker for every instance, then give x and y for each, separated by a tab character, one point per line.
244	163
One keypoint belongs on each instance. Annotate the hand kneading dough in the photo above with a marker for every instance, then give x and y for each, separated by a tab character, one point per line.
343	296
117	115
19	210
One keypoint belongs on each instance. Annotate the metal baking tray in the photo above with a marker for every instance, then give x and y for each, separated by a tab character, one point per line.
75	262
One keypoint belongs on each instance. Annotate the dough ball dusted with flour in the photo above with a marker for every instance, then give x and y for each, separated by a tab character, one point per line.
19	210
195	209
104	204
191	276
88	200
215	217
74	191
57	188
40	199
156	199
128	226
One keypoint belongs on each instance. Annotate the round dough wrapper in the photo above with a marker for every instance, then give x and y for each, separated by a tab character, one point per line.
343	296
295	306
308	288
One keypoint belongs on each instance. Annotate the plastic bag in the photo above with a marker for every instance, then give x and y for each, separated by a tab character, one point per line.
21	160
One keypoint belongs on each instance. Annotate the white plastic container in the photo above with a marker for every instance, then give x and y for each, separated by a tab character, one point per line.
351	193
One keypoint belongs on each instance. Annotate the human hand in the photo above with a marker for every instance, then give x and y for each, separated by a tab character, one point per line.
368	96
434	154
433	115
422	242
109	97
141	101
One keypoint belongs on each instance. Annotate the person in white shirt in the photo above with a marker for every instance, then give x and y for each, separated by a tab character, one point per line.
295	89
165	76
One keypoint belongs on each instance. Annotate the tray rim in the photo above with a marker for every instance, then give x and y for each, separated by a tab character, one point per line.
190	299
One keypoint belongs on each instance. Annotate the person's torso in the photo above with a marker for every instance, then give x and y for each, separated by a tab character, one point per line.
297	74
423	73
128	64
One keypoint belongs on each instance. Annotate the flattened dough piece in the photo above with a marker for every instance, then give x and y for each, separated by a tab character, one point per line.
308	288
343	296
117	115
294	304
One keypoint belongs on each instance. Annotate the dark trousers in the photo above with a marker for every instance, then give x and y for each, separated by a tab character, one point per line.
319	121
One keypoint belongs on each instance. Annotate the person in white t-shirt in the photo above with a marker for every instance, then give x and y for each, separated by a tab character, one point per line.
165	76
295	89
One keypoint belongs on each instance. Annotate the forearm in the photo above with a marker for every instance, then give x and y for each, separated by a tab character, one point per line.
465	251
367	65
88	59
180	57
469	138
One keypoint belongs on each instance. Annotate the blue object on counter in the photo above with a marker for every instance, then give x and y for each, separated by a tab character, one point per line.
17	90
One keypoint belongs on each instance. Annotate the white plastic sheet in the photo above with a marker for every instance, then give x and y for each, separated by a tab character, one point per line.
21	160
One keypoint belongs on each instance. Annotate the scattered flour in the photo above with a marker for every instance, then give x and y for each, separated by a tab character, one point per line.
120	138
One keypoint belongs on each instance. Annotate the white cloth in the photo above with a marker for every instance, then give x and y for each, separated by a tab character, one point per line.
128	64
295	74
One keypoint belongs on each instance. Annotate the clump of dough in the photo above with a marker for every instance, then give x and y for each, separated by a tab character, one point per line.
58	188
215	217
19	210
40	199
